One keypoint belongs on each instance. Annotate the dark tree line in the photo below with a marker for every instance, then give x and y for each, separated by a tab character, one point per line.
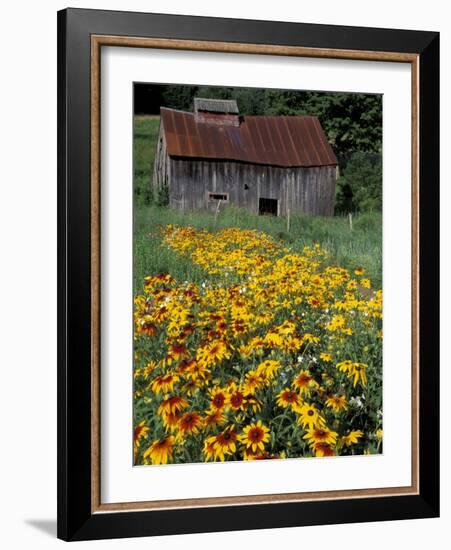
352	122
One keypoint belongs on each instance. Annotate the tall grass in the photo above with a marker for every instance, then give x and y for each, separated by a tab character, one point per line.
350	248
145	136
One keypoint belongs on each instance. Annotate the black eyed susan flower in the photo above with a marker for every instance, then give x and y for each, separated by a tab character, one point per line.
309	416
214	418
310	338
189	423
225	443
337	403
213	353
323	449
149	328
345	366
139	433
249	454
172	405
185	365
253	382
273	339
287	398
209	448
360	374
252	402
191	387
161	450
176	352
218	398
304	382
356	371
352	285
320	434
255	436
171	421
337	323
164	383
352	437
365	283
268	369
197	371
235	397
292	344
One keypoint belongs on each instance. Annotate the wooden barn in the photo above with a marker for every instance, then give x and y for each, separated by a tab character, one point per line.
215	157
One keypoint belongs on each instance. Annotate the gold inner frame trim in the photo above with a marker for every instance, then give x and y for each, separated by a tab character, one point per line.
97	41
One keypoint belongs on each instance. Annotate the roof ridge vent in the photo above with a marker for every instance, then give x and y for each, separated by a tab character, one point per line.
220	106
216	112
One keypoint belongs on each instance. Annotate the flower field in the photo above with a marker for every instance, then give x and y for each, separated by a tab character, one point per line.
275	354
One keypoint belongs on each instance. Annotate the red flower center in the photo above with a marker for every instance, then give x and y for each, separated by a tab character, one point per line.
255	434
218	400
236	399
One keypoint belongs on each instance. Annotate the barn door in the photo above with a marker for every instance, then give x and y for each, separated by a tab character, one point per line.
268	206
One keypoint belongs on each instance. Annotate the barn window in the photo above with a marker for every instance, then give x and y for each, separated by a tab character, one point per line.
267	206
218	197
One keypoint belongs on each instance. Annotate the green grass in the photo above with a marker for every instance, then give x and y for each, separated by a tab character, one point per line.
145	136
361	246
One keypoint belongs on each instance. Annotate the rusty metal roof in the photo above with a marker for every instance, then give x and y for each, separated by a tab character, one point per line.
285	141
215	105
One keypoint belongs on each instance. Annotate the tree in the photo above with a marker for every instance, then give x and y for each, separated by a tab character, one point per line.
352	122
178	97
360	186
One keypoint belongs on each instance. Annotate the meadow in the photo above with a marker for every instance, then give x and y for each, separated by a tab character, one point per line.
253	339
361	245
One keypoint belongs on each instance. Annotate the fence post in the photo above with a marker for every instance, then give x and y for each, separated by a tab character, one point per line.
217	211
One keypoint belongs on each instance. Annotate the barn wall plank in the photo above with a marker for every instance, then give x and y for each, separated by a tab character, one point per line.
306	190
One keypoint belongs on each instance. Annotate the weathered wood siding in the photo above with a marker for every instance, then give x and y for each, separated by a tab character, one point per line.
161	166
307	190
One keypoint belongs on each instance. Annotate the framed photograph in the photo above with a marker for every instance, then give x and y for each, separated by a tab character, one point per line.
248	274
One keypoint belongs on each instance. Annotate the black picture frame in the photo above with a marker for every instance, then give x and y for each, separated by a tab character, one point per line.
76	521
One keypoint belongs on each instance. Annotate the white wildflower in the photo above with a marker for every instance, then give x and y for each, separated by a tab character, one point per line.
356	402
